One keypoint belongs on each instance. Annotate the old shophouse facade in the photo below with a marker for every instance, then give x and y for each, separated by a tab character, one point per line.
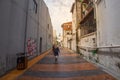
76	17
87	29
67	35
98	32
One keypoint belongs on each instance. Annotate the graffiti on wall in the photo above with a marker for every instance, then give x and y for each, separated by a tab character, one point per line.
31	47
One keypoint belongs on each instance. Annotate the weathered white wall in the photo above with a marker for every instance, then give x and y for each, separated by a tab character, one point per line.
66	39
110	62
108	21
108	34
89	40
65	42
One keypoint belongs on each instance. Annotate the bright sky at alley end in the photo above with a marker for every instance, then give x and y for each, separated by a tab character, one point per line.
59	12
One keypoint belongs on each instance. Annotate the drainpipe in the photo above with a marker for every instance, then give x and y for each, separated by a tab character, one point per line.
26	24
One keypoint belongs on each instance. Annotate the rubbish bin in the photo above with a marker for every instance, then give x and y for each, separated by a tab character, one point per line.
21	61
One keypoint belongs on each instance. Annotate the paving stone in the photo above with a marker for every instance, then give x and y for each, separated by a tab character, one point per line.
68	67
63	74
61	60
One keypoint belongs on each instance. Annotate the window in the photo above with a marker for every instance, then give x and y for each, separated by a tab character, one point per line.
40	45
48	26
35	6
68	26
68	33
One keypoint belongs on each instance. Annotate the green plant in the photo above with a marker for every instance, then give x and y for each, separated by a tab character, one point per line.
95	51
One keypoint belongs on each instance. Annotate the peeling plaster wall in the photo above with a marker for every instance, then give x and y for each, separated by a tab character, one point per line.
108	21
89	41
108	34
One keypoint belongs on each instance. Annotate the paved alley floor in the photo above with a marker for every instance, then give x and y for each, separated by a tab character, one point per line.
68	67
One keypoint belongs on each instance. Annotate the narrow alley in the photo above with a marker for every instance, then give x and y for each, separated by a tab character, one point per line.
86	31
69	67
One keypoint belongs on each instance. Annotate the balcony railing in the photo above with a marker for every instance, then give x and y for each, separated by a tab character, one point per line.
88	7
91	10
